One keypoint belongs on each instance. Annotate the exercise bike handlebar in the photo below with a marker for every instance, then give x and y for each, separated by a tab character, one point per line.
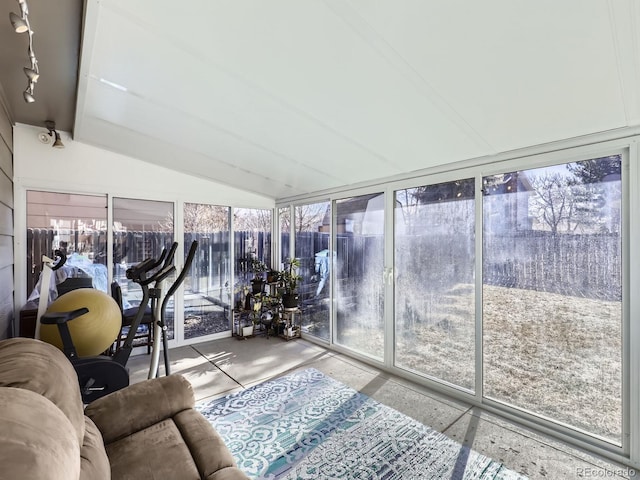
158	276
185	269
135	271
171	255
60	260
138	271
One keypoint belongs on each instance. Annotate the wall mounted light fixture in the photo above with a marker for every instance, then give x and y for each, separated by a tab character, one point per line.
21	25
53	133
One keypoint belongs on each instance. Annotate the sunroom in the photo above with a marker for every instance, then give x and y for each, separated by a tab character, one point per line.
460	184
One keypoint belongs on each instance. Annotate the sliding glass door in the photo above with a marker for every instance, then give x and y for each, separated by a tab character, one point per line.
359	266
434	250
552	293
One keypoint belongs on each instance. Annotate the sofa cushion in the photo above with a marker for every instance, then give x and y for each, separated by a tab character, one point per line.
206	446
42	368
155	453
38	440
139	406
94	463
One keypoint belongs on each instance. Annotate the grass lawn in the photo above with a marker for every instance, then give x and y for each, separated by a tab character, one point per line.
551	354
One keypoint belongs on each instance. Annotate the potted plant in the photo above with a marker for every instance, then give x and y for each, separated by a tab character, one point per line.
258	267
289	280
255	316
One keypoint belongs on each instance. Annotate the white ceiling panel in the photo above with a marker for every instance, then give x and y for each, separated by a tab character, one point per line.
520	73
289	97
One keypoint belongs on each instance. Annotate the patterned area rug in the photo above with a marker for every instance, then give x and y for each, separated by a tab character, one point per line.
308	426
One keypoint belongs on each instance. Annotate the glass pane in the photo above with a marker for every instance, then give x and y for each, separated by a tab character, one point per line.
75	224
434	286
359	285
141	230
552	293
284	219
312	227
207	293
252	237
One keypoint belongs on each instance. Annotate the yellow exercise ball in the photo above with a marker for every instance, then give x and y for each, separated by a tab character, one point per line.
93	332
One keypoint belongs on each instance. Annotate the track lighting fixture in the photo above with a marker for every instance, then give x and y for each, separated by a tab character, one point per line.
31	74
53	133
28	95
21	25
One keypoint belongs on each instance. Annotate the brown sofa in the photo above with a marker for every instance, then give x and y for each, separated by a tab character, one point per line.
146	431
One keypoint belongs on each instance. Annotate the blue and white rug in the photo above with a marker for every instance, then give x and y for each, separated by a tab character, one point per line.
308	426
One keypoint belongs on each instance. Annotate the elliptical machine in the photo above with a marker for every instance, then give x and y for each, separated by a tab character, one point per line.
101	375
159	302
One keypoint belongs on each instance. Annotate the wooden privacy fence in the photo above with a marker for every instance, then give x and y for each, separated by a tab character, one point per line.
587	265
129	248
40	242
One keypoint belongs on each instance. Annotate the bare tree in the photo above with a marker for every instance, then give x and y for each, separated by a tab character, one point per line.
205	218
309	218
252	219
285	220
554	201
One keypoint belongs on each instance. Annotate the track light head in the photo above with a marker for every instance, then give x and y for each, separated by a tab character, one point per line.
19	24
31	74
28	97
57	143
51	126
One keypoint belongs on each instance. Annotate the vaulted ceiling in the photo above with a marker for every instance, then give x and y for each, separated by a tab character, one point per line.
287	97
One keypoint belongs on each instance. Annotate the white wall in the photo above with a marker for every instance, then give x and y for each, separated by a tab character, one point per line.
83	168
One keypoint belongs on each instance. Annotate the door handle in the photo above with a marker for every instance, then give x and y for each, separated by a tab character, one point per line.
387	276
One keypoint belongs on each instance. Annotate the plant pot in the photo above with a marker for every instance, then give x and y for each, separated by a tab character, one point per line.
272	277
290	300
247	331
257	285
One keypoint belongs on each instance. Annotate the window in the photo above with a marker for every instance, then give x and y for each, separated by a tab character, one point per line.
207	291
252	237
141	230
552	293
75	224
312	228
284	220
434	291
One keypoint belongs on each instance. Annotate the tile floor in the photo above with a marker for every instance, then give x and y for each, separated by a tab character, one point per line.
223	366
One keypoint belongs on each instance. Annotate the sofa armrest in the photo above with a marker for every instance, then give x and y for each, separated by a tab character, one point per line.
139	406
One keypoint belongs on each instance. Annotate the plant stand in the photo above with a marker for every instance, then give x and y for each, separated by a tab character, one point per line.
290	324
242	324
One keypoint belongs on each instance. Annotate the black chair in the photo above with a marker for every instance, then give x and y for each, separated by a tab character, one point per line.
73	283
127	317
